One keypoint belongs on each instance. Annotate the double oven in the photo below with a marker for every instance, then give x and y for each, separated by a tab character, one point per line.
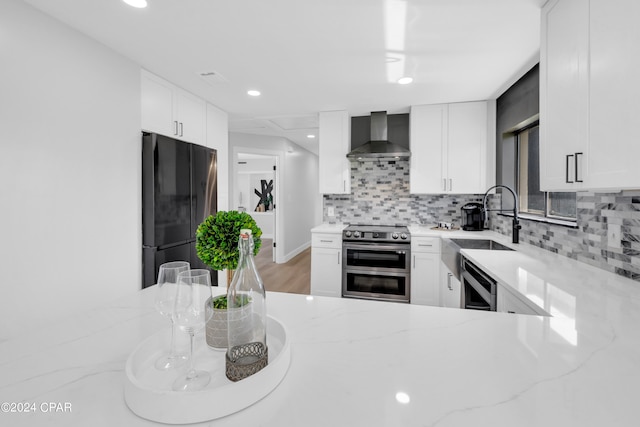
376	263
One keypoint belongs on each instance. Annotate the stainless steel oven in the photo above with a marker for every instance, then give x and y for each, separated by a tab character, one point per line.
376	263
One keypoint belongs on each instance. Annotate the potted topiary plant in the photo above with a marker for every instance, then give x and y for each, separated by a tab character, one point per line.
217	247
217	239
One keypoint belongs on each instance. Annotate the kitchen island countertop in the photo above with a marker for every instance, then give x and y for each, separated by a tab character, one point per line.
362	363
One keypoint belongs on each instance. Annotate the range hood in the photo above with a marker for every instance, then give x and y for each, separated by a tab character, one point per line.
379	148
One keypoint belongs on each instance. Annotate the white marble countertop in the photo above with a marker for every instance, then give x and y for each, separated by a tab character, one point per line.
329	228
354	361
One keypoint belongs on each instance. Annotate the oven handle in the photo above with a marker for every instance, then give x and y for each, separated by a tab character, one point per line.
373	271
377	246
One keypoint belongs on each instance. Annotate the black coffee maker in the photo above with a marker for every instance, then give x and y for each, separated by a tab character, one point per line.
472	217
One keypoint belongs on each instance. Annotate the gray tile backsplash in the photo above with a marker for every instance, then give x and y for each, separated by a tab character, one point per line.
607	234
380	195
608	225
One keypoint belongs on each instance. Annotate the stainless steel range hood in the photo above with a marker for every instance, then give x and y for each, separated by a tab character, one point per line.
379	148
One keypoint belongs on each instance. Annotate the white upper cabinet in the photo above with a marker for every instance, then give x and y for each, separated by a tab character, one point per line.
427	136
452	148
335	137
171	111
191	116
590	95
564	94
614	94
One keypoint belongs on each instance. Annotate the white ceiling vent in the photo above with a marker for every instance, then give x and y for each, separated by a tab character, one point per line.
212	77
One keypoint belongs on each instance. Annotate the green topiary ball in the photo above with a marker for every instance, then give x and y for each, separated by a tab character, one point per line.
217	239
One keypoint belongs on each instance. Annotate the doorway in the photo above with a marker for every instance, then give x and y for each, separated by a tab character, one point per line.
256	190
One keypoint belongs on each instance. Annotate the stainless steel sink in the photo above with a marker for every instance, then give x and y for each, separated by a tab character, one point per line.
450	254
487	244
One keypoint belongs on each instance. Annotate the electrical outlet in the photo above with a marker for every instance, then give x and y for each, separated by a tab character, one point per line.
331	211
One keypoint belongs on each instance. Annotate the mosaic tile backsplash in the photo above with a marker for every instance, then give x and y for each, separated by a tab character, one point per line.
607	233
380	196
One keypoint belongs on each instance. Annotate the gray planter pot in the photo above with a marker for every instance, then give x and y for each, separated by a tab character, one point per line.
217	327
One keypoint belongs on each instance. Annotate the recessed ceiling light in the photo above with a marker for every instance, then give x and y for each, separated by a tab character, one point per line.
310	136
403	397
405	80
136	3
253	92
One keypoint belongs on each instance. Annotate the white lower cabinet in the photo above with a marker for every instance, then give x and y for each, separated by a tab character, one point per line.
326	264
509	303
425	271
450	291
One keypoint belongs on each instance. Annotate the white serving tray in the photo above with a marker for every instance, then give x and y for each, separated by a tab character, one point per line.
148	392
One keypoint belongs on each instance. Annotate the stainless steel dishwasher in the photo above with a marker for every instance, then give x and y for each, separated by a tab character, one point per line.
479	289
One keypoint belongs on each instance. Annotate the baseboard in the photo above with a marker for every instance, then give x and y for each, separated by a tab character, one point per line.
288	257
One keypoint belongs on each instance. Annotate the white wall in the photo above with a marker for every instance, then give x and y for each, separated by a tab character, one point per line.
218	138
69	171
298	202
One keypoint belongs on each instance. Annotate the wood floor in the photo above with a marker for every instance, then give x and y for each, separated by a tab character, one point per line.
293	276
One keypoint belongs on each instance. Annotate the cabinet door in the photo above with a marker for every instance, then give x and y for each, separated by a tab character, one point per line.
449	289
326	272
564	94
466	152
427	136
157	105
508	303
614	94
334	144
191	116
425	278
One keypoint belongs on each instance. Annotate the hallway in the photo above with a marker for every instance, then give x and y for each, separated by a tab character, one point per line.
292	277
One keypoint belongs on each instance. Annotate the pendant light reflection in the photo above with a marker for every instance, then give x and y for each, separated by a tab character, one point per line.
403	397
140	4
395	33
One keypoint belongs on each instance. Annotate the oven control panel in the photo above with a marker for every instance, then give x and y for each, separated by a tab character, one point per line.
376	234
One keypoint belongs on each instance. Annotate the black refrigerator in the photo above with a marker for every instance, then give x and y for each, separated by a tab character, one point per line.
179	190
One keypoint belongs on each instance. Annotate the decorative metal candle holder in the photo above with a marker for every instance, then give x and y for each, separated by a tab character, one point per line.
245	360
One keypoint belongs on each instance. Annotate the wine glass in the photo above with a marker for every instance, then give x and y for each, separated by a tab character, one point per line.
194	288
165	304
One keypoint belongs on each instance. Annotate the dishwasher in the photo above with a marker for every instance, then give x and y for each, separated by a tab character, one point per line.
479	289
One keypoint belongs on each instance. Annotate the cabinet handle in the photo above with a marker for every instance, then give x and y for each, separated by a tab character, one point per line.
511	312
444	184
449	281
450	184
567	169
425	245
414	261
338	257
576	166
175	127
181	133
326	241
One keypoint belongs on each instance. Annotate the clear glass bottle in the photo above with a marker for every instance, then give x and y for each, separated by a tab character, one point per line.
247	327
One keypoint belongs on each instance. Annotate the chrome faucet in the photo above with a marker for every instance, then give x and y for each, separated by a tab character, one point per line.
515	227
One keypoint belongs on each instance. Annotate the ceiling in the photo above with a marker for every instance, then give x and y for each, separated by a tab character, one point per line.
310	56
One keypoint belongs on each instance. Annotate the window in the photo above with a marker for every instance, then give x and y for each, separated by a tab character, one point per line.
560	206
